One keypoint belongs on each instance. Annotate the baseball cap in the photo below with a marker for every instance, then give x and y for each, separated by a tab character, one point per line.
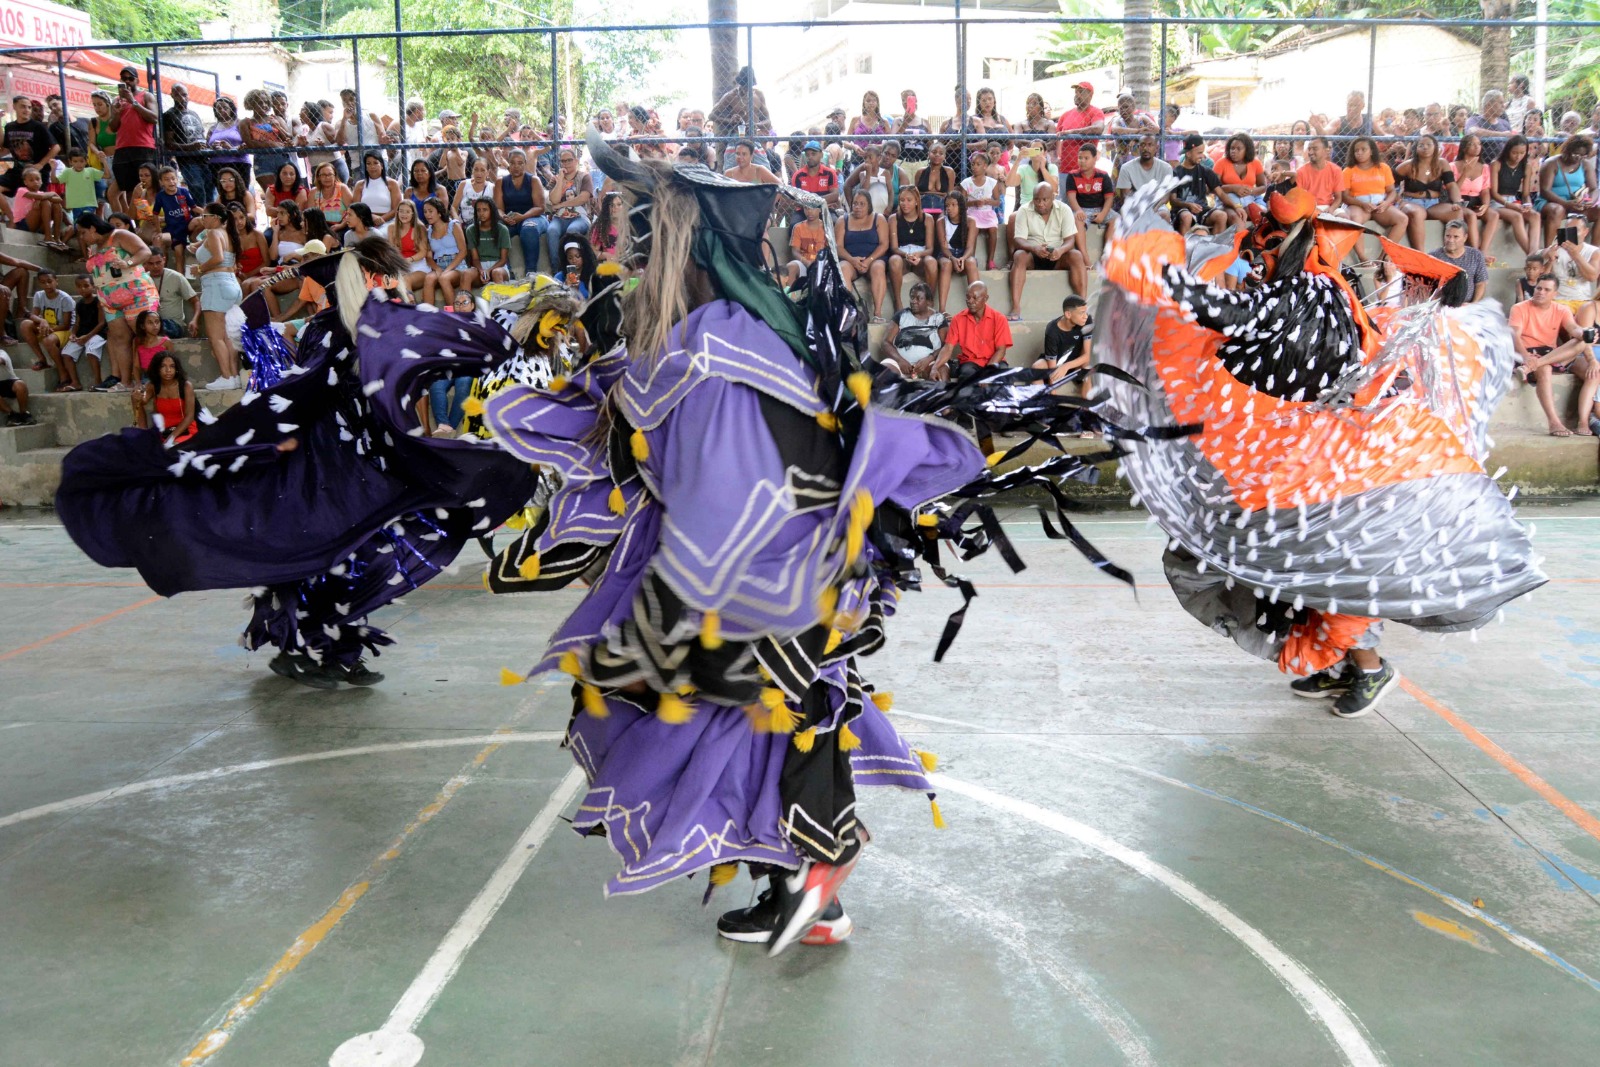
813	146
1085	85
448	114
1190	140
314	247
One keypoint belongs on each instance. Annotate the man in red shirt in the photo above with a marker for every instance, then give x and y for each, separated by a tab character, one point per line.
1083	118
817	177
978	337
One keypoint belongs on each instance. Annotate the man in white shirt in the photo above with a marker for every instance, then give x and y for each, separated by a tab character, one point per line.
416	132
1044	232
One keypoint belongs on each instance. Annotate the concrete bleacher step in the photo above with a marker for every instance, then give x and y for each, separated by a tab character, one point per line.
193	353
16	441
31	479
79	417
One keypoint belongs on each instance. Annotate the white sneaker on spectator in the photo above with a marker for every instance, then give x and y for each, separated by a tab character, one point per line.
224	383
444	431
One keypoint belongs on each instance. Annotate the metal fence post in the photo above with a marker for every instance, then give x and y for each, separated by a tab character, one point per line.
358	171
556	129
749	89
961	89
66	115
1372	79
400	73
1161	116
161	141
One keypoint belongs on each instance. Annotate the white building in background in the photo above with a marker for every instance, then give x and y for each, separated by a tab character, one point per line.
807	73
1416	66
315	75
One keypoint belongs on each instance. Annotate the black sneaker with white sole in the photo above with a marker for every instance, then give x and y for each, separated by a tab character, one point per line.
754	925
303	669
361	674
1324	685
1366	689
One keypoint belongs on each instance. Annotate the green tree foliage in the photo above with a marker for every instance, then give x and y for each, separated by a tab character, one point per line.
147	20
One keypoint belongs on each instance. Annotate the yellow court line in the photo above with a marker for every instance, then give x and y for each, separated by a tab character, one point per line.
314	934
1585	821
82	626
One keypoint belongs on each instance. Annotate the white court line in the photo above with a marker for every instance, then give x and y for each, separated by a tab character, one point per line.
83	800
395	1045
1319	1001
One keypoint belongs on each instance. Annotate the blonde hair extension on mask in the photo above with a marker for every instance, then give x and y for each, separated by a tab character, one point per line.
666	289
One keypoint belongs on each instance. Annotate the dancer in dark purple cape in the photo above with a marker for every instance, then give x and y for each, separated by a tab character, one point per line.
746	516
320	491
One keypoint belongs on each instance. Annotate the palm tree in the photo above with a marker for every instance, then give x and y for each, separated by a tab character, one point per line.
1494	61
1137	48
724	46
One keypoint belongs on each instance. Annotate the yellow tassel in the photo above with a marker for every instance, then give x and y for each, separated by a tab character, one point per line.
860	386
771	699
761	669
486	579
609	269
827	605
994	459
558	383
783	720
723	873
594	703
510	677
568	664
884	699
472	407
938	819
848	739
828	421
529	568
711	631
927	520
670	709
806	739
930	762
835	638
641	447
615	501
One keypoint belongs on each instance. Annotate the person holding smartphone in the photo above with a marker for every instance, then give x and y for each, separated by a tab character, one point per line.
133	120
1576	266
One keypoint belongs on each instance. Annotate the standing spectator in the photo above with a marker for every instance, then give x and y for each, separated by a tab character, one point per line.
1369	191
914	149
569	205
983	193
731	115
1491	124
88	338
1129	124
1473	179
115	260
103	140
1518	102
957	243
862	238
47	327
447	253
1044	241
1170	140
30	145
176	206
915	334
415	133
817	177
1458	253
184	134
1036	117
357	132
867	127
328	197
1353	122
410	238
267	135
317	135
519	198
1575	265
1428	189
1567	184
1089	196
1066	342
377	190
488	244
978	337
1549	341
1142	169
1513	186
226	140
14	390
133	118
1084	119
935	181
985	119
177	303
1198	184
911	245
216	256
1459	113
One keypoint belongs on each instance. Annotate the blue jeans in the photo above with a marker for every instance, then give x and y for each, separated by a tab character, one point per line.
446	408
197	176
558	231
531	233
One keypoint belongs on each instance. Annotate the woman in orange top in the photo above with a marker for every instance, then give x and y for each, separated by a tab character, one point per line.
806	238
1369	191
1242	176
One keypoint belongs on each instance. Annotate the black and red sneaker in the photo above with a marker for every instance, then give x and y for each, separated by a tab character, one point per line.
802	897
755	924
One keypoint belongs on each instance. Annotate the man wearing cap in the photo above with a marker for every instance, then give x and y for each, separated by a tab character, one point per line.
817	177
1082	118
1458	253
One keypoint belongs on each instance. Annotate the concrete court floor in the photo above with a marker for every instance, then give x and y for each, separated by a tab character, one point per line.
1154	854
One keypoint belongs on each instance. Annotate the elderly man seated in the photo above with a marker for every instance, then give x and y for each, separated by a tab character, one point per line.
1044	241
977	337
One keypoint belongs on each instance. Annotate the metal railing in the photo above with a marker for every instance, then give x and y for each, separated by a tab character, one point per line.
959	23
